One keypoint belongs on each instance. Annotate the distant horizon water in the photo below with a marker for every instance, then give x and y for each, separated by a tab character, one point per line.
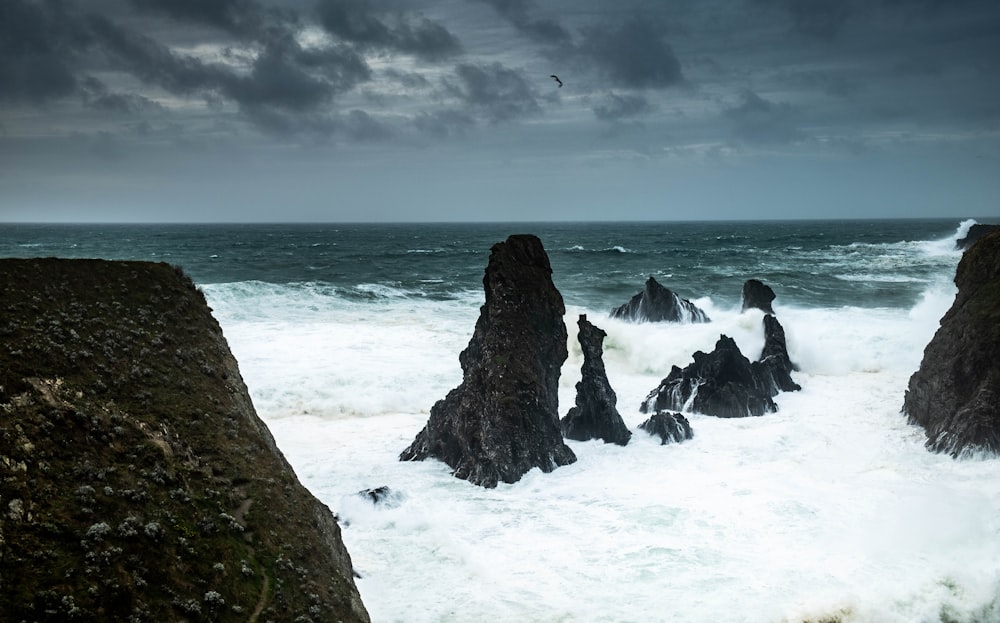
829	510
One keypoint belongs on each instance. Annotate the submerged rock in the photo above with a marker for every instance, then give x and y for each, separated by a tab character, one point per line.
659	304
955	395
757	295
381	496
595	415
503	421
138	482
724	383
669	427
975	232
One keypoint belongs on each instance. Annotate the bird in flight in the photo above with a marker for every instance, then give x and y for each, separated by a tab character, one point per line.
556	78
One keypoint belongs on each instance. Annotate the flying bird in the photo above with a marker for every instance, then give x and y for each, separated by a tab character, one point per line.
556	78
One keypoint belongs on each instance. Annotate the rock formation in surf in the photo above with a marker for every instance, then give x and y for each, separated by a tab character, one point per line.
724	383
955	395
669	427
757	295
975	232
503	419
659	304
595	415
138	483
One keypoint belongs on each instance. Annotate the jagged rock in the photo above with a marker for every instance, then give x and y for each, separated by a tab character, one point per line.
975	232
595	415
757	295
503	419
146	486
381	496
670	427
724	383
955	395
659	304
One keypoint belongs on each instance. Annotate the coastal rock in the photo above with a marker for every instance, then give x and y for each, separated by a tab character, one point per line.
503	421
669	427
595	415
724	383
659	304
381	496
757	295
146	487
955	395
975	232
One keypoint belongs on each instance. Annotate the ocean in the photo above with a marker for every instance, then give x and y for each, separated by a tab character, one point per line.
828	511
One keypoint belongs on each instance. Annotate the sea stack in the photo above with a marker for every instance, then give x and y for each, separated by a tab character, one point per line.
138	483
724	383
503	421
595	415
659	304
757	295
955	395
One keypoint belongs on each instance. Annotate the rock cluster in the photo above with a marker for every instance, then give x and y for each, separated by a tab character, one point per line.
136	481
502	421
955	395
659	304
595	415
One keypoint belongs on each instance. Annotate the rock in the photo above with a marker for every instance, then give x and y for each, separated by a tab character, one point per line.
659	304
150	490
670	427
757	295
975	232
502	421
381	496
955	395
595	415
724	383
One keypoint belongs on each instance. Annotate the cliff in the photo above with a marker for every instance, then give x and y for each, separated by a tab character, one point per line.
955	395
136	481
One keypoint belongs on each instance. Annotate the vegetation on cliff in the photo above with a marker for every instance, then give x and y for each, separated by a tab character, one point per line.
136	481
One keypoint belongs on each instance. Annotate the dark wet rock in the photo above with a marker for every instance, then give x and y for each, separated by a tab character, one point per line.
669	427
975	232
503	421
659	304
757	295
595	415
381	496
955	395
724	383
138	481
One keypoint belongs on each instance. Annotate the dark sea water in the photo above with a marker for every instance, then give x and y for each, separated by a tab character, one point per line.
829	510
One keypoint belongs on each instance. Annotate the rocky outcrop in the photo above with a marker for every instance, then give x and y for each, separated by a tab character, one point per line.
724	383
955	395
975	232
669	427
659	304
138	483
595	415
757	295
503	419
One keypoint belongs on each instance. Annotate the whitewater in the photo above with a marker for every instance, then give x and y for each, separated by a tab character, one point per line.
829	510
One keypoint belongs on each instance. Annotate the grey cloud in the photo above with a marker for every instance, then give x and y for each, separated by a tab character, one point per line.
518	13
617	107
496	92
236	16
444	123
39	46
358	22
760	121
410	80
97	96
634	54
358	125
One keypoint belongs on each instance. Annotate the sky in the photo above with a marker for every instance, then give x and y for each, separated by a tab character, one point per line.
445	110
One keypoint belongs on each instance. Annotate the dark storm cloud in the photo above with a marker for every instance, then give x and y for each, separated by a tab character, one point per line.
236	16
39	45
518	13
444	123
493	91
633	54
760	121
358	22
97	96
615	107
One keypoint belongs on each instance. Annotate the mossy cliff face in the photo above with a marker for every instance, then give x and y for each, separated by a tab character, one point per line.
136	481
955	395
